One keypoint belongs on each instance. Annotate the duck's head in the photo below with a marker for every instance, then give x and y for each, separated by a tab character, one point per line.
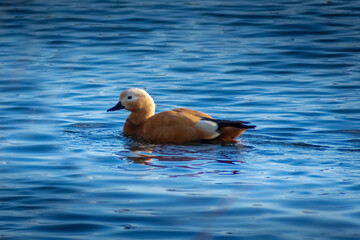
135	100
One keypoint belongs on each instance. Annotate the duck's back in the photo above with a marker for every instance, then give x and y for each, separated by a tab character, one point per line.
175	126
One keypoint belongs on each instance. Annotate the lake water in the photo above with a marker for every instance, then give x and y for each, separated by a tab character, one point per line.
290	67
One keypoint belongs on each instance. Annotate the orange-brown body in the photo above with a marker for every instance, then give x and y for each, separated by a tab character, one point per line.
175	126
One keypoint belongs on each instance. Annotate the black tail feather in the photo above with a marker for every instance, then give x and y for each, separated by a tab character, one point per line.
229	123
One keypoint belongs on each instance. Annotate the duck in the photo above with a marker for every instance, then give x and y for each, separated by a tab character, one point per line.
179	125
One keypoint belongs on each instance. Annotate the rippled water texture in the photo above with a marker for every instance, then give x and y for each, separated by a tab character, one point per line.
290	67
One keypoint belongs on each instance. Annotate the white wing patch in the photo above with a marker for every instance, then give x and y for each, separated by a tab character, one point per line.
208	128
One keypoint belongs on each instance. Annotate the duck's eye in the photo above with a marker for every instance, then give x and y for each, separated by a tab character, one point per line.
129	97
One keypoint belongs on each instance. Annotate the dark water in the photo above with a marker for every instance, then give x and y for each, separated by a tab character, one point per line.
290	67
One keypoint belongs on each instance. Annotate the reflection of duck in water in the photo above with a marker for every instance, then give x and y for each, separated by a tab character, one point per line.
145	153
176	126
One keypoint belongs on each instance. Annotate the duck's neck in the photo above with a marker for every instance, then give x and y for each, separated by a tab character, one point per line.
139	117
135	121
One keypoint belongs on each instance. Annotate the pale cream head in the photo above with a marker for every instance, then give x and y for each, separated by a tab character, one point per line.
135	100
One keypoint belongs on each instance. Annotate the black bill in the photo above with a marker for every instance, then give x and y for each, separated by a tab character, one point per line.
116	107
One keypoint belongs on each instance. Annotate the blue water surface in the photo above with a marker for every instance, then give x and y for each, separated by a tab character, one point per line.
290	67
